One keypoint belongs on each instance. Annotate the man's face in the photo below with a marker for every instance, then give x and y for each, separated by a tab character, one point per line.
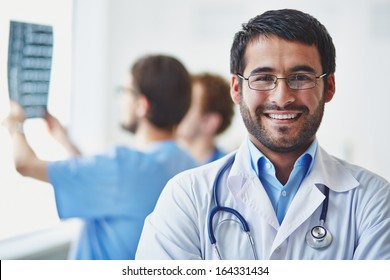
282	120
129	102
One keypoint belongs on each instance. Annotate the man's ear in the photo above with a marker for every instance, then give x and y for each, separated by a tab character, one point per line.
235	89
331	89
143	106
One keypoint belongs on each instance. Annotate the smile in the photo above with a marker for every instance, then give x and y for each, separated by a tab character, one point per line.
283	116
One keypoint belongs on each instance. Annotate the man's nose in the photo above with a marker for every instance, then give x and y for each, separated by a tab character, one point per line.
282	95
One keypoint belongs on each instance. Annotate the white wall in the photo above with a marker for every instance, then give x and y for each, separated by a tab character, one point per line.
199	33
25	204
90	72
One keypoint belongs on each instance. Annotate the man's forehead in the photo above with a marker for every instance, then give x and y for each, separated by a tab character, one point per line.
271	53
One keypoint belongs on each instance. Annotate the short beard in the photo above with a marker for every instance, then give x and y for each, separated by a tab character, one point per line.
284	144
132	128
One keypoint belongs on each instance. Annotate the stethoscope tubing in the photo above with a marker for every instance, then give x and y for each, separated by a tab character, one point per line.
214	211
228	164
217	208
324	210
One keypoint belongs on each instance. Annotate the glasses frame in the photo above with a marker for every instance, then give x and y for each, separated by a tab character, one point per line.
281	78
127	91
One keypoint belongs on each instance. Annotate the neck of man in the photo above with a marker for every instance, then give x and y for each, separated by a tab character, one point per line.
283	162
148	134
200	148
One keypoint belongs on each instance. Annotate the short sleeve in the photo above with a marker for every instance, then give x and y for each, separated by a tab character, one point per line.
85	187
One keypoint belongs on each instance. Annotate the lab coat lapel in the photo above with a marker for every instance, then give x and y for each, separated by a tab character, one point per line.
329	171
326	171
307	199
246	186
255	197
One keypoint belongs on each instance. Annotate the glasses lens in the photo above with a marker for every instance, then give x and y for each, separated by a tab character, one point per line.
294	81
262	82
301	81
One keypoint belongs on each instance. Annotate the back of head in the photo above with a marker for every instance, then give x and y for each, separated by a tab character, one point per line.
167	85
216	97
287	24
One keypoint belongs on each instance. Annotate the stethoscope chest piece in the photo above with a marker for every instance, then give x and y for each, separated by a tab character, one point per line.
318	237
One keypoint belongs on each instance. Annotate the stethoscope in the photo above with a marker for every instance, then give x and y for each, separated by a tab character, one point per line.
318	237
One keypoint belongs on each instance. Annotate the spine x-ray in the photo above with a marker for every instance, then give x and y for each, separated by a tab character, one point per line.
29	66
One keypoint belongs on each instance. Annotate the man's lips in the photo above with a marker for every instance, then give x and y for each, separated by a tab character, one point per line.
282	116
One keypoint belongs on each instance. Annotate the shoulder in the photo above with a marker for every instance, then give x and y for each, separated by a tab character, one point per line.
191	190
372	188
99	163
363	176
200	177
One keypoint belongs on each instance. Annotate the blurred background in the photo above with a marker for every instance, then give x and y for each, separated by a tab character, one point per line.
96	41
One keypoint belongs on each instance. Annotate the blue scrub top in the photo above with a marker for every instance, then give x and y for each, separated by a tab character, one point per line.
113	193
217	154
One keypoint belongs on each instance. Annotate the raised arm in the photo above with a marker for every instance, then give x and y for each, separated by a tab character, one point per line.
59	132
25	160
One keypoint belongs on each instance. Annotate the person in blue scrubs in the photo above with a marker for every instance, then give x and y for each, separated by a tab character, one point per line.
210	114
113	192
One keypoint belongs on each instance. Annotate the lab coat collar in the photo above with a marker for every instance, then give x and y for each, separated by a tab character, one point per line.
330	171
327	170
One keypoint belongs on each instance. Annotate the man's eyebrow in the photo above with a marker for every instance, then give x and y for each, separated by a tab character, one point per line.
261	70
297	68
303	68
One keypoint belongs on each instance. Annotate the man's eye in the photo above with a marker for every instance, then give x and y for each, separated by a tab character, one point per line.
300	78
263	78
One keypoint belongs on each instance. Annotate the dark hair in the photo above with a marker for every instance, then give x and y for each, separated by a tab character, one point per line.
216	97
291	25
167	85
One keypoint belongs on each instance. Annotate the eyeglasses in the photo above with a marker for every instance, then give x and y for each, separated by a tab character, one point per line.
298	81
125	90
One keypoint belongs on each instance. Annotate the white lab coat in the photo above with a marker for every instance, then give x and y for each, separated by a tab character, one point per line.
358	214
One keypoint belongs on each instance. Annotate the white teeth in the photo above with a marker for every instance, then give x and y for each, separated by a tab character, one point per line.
283	116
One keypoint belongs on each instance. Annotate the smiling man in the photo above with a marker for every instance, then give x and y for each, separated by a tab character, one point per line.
280	196
282	115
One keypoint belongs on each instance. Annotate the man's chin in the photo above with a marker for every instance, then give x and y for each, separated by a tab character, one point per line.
129	128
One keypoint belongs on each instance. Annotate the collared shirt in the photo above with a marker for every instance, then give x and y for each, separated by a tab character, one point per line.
280	195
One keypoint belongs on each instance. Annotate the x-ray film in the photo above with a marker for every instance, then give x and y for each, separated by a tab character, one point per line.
29	66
